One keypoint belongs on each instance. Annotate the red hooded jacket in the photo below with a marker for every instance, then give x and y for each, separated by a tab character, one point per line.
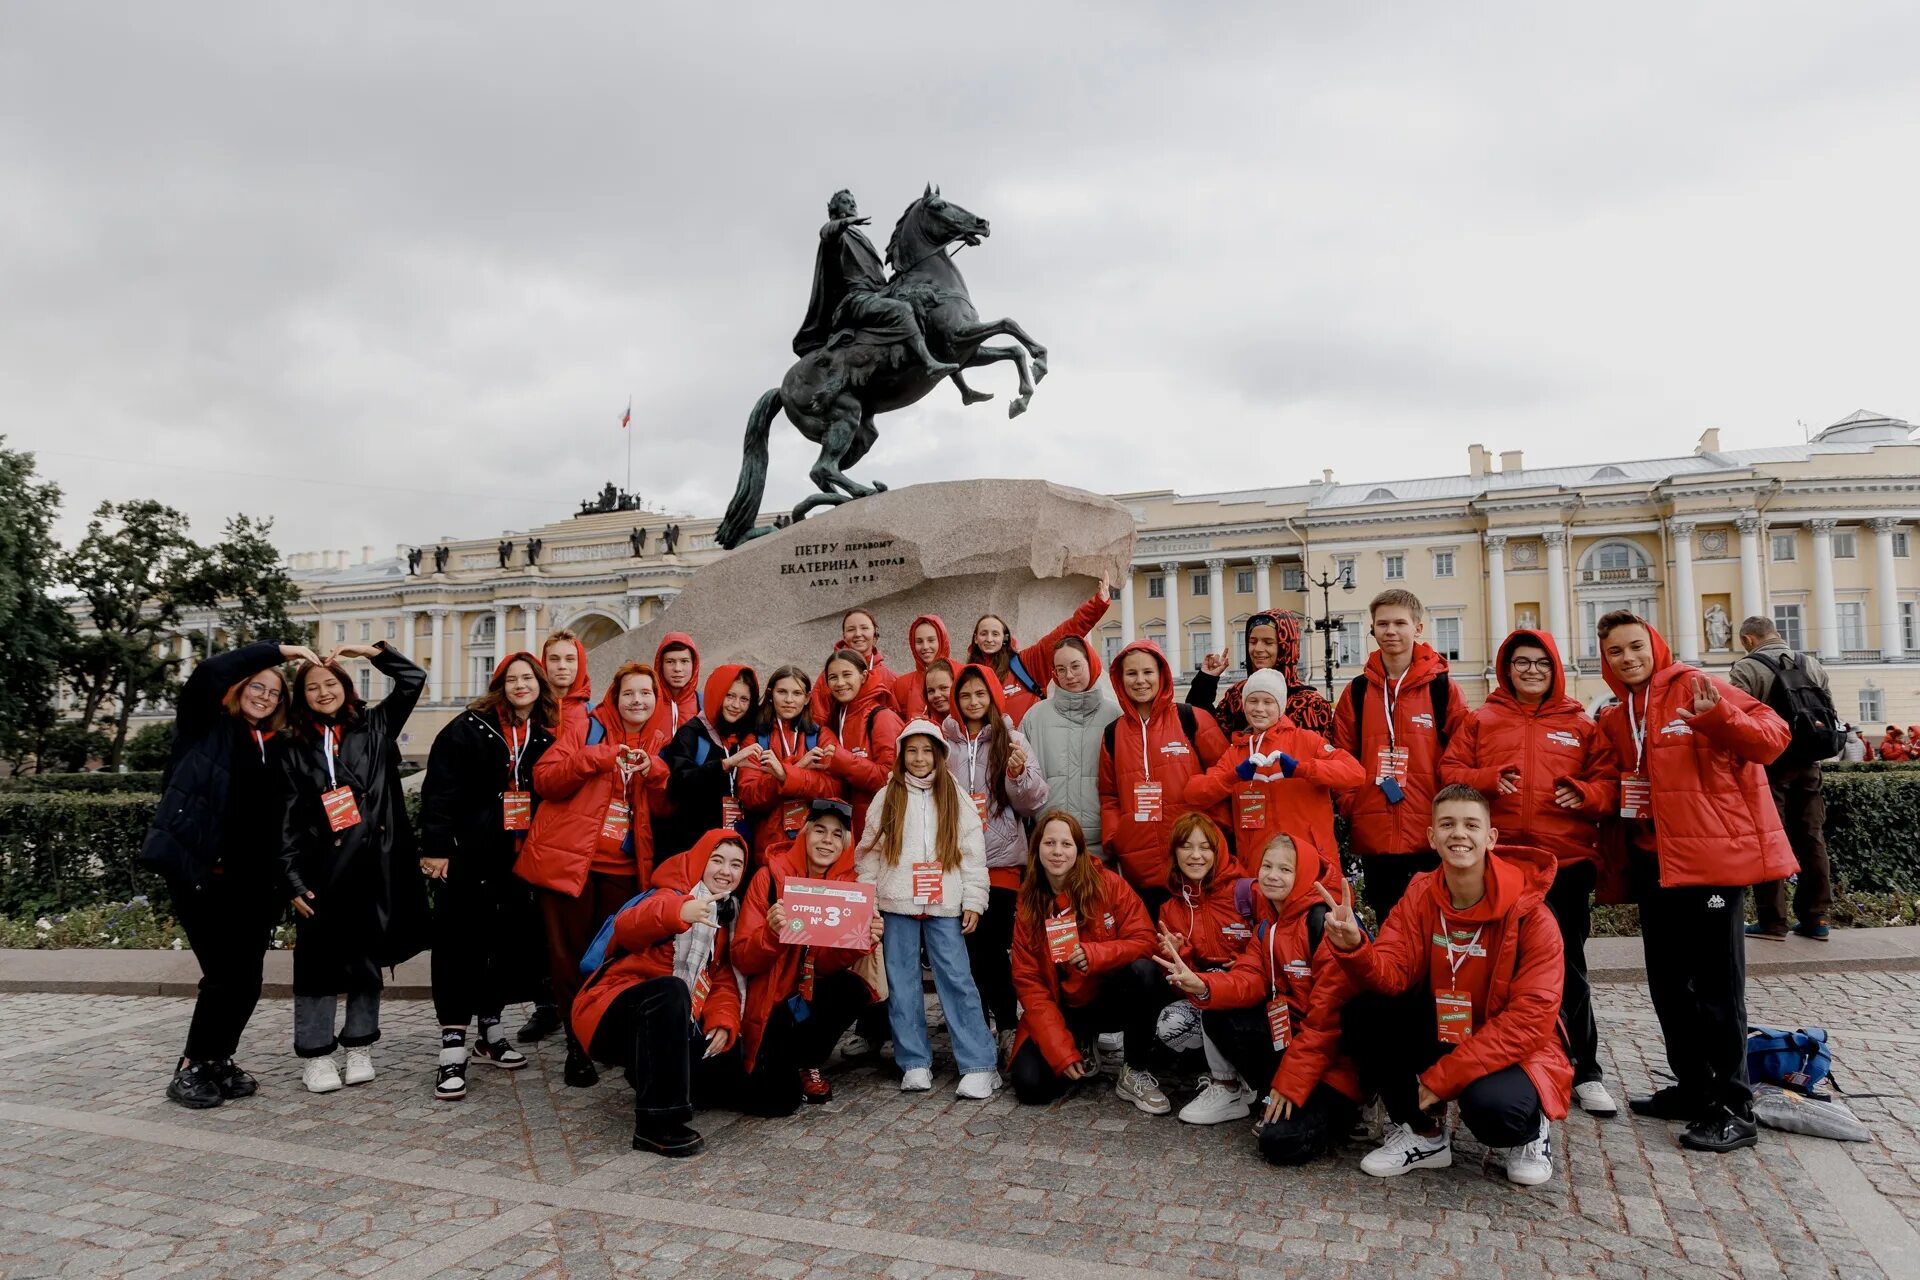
1894	746
577	702
1554	742
1117	934
1515	984
1038	658
1151	749
1271	803
1277	962
1209	919
1377	826
576	784
671	711
866	731
778	806
645	933
910	690
820	701
1714	820
773	967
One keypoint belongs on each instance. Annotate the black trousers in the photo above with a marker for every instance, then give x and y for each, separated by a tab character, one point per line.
228	924
990	956
1313	1129
486	935
1570	898
1384	877
1129	1001
1801	798
650	1031
789	1046
1695	946
1392	1041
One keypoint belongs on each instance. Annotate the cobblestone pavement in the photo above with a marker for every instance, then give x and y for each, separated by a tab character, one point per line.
100	1176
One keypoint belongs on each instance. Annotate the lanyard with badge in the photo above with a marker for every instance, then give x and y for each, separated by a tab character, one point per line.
1146	795
1453	1008
929	878
794	813
1250	801
343	810
731	814
1636	791
618	819
979	797
1390	769
1279	1020
516	805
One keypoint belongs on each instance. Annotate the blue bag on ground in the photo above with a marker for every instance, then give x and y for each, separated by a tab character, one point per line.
1797	1060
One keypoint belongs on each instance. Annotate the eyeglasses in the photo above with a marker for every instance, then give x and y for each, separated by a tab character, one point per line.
259	690
1533	664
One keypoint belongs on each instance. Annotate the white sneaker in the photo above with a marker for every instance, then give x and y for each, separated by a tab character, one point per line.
1532	1164
1595	1100
320	1075
359	1066
1218	1103
918	1080
977	1085
1141	1089
1404	1149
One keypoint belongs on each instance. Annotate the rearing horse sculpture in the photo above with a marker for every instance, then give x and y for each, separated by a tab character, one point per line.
832	394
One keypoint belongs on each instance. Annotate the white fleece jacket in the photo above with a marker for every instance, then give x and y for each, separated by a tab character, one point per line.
962	889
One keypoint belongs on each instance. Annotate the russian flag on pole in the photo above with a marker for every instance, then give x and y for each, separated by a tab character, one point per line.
626	417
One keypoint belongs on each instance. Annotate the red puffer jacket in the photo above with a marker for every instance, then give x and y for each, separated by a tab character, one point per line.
777	806
1713	816
1151	749
1117	934
1521	972
1279	961
577	702
577	783
1554	742
1208	918
910	690
644	935
671	711
1037	659
773	967
820	701
866	731
1376	825
1270	803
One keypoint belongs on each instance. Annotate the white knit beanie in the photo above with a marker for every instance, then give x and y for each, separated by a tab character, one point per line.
1269	682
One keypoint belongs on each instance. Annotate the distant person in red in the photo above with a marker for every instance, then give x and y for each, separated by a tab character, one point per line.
927	639
859	634
1025	673
1894	746
791	770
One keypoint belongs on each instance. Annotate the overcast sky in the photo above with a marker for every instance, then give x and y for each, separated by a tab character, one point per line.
388	272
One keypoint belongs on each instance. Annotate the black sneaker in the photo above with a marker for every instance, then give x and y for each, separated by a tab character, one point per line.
451	1084
233	1082
579	1071
1670	1103
194	1087
671	1140
544	1022
1720	1132
499	1053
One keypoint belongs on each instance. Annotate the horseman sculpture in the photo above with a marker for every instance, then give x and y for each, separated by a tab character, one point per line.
872	343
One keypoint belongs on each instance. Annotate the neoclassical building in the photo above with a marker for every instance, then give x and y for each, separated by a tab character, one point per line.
1817	535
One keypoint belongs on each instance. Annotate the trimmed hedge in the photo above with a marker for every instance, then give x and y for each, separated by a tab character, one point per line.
1873	826
84	783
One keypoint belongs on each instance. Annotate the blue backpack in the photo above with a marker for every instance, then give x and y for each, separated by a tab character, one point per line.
599	951
1018	670
1797	1060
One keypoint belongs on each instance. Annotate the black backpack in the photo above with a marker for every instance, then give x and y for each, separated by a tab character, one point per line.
1808	711
1439	690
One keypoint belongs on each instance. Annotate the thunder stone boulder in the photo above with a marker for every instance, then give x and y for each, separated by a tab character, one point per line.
1027	550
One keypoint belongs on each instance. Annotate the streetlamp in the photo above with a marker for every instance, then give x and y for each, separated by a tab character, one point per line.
1327	624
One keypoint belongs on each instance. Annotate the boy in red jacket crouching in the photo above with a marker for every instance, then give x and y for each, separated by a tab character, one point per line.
1466	979
665	1001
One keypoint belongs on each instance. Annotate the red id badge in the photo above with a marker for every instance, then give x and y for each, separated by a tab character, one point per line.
1391	763
927	881
1146	802
1452	1016
343	810
702	988
1063	935
980	805
1636	796
792	818
1279	1022
731	814
516	810
1250	808
618	819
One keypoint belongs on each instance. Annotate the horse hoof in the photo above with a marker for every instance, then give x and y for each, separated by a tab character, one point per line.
976	397
878	487
1039	370
1017	408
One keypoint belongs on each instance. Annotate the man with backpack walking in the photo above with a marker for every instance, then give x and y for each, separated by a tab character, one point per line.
1795	686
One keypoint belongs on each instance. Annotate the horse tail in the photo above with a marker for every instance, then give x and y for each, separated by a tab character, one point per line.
745	506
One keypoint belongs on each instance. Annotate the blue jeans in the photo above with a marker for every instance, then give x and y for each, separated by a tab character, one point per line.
973	1048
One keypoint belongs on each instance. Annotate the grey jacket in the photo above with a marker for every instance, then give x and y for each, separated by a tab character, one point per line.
1064	732
1006	833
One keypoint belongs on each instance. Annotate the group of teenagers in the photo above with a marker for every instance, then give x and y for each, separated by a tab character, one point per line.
1071	863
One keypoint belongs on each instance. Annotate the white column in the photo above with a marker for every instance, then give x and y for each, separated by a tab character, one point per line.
532	610
1886	594
1556	540
1499	617
1263	583
633	612
1753	595
440	682
186	647
1686	606
409	619
1217	602
1171	570
500	649
1127	631
1826	616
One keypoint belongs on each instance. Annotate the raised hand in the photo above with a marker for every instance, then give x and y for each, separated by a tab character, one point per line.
1177	971
299	653
1215	664
701	911
1706	696
1342	927
1016	763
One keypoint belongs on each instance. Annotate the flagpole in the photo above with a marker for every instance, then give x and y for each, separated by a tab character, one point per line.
626	426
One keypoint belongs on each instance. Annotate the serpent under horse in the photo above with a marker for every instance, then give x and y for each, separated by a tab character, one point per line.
832	395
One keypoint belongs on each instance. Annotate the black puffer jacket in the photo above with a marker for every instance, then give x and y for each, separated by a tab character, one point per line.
203	817
370	902
467	772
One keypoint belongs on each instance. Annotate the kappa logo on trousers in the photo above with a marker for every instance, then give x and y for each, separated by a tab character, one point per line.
1716	902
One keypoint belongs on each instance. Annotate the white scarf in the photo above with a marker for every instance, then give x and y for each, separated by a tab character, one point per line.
693	950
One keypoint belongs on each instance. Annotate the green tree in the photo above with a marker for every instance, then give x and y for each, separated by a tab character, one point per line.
243	578
150	748
134	570
35	629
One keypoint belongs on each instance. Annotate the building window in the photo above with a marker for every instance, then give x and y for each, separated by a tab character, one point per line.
1907	627
1900	545
1782	546
1873	709
1843	546
366	631
1243	581
1853	624
1156	586
1343	568
1446	638
1443	564
366	684
1396	568
1296	579
393	629
1199	645
481	668
1110	649
1786	620
340	633
1197	584
1347	643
